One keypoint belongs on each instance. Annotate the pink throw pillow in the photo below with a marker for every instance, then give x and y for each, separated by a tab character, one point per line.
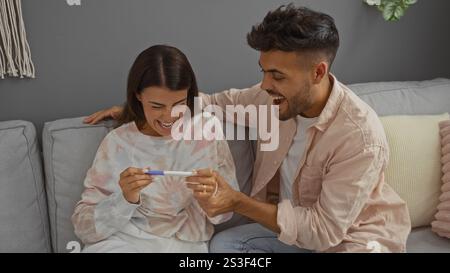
442	223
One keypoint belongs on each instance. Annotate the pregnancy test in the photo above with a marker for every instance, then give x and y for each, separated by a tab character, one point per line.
173	173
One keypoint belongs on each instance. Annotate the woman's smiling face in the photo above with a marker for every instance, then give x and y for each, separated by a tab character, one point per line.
157	103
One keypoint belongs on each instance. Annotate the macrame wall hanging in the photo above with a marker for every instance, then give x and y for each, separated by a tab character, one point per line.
15	55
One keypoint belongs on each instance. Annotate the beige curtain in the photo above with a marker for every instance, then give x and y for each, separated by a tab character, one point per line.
15	55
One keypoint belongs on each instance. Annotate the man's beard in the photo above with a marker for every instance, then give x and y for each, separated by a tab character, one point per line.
298	104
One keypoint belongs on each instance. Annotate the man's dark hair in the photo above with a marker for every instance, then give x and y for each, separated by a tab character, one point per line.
299	29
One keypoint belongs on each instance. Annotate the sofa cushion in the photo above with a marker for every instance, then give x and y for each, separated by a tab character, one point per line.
69	147
423	240
414	169
406	98
442	223
23	208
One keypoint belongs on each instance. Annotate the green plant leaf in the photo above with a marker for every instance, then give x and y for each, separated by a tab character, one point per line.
372	2
409	2
393	11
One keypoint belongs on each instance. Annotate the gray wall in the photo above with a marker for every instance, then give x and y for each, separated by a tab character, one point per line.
82	54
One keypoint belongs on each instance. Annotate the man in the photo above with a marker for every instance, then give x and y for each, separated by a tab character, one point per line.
323	189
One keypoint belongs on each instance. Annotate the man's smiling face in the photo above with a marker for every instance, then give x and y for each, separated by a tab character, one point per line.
288	80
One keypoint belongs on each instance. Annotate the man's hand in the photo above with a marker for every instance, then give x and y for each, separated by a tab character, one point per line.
204	185
226	199
113	112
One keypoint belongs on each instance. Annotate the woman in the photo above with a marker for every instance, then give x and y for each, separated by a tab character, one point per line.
123	209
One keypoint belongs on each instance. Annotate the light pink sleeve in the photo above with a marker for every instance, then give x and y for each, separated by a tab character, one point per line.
345	191
102	210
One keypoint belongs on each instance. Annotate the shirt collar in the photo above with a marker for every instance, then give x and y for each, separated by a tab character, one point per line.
332	105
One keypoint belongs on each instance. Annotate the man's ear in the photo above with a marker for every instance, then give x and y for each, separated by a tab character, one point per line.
320	71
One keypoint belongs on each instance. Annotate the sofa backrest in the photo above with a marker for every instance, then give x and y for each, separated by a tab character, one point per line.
406	98
23	210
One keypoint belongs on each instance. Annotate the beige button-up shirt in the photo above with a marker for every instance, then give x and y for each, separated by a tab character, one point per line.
340	199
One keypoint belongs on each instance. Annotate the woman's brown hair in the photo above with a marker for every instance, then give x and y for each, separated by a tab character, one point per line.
159	66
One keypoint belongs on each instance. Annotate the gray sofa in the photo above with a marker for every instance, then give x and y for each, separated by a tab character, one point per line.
40	186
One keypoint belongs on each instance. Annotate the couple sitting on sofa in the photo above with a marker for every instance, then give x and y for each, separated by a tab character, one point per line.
322	189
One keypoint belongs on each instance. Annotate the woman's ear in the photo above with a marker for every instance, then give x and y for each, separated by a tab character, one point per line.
138	97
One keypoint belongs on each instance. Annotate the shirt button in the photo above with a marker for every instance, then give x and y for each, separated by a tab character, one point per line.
275	162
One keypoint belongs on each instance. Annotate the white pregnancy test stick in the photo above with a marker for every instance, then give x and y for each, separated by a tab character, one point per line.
173	173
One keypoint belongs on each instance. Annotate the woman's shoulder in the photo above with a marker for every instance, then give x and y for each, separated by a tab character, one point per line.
125	128
205	117
123	132
210	124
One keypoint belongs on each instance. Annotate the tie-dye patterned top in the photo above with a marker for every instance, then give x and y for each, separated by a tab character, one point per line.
167	207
